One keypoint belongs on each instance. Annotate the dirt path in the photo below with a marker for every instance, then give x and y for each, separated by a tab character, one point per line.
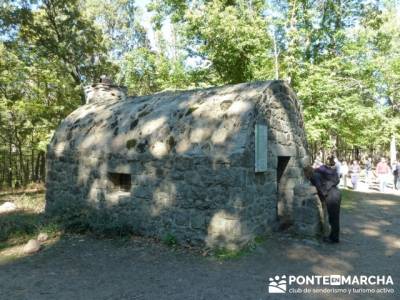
78	267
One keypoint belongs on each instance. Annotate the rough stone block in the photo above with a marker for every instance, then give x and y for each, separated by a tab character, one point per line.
281	150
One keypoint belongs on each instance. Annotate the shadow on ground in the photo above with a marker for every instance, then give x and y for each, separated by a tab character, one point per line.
81	267
17	225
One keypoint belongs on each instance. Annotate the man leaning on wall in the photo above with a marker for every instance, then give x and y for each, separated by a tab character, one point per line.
326	179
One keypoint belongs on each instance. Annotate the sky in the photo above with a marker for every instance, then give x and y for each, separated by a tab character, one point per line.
166	29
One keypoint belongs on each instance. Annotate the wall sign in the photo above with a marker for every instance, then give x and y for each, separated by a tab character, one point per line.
261	147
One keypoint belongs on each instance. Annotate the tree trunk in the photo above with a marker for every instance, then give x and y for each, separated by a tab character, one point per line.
42	169
32	175
10	163
37	168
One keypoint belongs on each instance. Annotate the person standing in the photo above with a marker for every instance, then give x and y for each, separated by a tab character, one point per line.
396	175
382	172
344	173
338	166
355	173
368	171
325	179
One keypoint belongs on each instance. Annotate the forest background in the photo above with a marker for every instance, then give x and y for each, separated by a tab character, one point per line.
342	57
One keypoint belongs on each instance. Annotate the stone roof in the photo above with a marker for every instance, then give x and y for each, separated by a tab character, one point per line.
198	122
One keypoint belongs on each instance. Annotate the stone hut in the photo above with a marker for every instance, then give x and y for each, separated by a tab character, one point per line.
214	166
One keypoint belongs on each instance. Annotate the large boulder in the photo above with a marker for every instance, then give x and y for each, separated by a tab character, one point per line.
31	247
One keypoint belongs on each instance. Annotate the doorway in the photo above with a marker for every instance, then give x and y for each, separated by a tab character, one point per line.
282	164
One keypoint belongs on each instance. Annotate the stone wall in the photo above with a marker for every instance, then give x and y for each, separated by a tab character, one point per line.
194	200
200	187
310	216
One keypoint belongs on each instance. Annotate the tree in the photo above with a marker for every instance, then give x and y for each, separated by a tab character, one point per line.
230	37
56	29
48	52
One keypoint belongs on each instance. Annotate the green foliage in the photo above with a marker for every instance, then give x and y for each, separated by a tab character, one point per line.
334	54
170	240
226	254
232	37
341	57
48	52
119	22
342	108
145	71
57	30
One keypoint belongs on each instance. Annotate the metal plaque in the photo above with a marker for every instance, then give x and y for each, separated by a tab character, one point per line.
261	147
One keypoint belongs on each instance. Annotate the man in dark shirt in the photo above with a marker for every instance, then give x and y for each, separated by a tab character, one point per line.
325	179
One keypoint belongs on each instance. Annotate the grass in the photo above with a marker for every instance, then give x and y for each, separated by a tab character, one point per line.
33	201
349	199
226	254
19	226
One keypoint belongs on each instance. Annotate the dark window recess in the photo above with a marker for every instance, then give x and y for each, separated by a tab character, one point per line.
120	181
282	164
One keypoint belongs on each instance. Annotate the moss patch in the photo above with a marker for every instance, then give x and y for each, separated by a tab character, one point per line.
171	142
170	240
131	143
143	114
134	123
191	110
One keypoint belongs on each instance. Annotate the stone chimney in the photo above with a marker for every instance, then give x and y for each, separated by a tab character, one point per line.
105	91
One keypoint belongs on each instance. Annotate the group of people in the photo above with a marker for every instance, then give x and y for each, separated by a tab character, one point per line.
382	173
